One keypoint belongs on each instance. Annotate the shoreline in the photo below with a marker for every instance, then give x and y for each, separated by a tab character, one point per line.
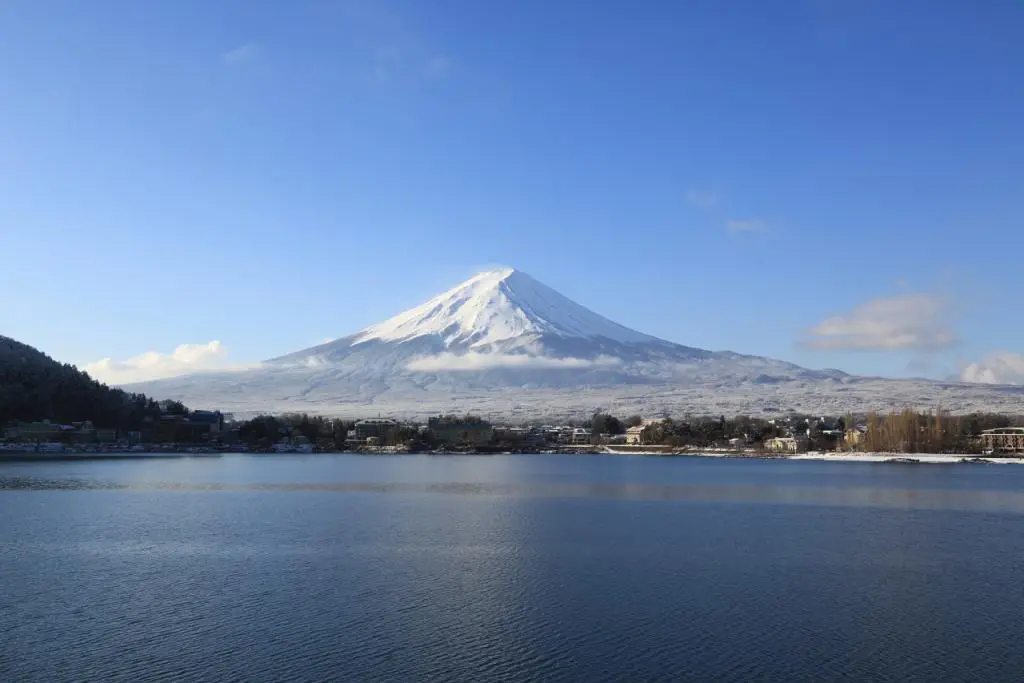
871	458
910	458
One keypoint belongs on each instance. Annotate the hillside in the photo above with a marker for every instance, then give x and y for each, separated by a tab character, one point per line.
34	386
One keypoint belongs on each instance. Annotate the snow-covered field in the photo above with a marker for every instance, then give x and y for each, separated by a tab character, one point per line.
249	394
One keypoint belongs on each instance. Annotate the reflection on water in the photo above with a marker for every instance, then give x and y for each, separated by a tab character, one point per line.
911	499
509	568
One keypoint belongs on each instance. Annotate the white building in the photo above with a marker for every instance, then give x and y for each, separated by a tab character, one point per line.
785	444
633	437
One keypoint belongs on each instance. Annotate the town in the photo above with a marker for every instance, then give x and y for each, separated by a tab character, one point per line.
179	430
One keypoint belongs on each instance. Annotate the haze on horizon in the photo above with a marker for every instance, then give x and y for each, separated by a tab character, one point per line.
204	186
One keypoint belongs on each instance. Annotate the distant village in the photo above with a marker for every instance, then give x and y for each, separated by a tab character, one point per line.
178	430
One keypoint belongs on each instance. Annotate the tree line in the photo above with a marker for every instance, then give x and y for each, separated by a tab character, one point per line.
35	387
908	431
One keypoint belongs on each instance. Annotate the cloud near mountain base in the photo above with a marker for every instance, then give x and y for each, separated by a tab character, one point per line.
152	365
446	362
997	368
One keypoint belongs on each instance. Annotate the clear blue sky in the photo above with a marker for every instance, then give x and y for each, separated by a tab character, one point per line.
724	174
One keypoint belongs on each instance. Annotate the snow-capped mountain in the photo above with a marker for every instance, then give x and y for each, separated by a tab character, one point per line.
498	307
504	315
504	343
519	332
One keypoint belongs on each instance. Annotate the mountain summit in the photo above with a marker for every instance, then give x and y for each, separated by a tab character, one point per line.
503	343
495	313
496	306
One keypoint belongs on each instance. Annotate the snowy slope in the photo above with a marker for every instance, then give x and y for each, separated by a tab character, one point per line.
498	306
505	343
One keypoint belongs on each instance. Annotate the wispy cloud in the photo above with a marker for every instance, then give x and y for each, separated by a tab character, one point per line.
704	200
437	66
488	361
709	202
915	321
185	359
1003	367
746	225
242	53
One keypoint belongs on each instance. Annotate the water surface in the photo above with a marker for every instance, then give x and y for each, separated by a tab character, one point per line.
554	568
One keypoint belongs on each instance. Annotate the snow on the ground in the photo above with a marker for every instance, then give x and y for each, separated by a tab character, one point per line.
934	458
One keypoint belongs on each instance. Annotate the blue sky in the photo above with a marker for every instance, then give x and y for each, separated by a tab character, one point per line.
838	183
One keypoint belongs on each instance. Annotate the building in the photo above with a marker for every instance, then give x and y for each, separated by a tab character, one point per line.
634	435
378	428
106	435
39	431
80	432
208	417
1003	440
457	432
177	429
785	444
520	437
579	436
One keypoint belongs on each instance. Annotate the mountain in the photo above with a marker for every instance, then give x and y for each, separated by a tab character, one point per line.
504	343
34	387
504	328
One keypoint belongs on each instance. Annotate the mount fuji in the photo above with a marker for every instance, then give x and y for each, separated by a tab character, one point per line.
507	345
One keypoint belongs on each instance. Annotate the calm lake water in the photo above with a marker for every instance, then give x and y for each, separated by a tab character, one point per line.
511	568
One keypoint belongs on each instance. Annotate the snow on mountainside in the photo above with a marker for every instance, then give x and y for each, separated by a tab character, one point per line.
504	343
497	306
495	311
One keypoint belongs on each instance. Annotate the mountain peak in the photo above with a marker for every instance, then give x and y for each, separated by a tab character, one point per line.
494	307
497	273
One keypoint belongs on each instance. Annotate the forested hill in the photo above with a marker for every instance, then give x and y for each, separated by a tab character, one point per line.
33	387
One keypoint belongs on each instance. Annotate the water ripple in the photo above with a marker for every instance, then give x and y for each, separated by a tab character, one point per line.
911	499
124	574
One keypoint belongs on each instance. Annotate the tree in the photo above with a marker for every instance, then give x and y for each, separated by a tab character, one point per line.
603	423
264	429
35	387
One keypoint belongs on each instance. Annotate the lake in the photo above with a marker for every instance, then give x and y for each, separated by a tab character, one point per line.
509	568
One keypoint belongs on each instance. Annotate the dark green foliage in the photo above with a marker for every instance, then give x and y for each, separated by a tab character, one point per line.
35	387
266	430
173	407
602	423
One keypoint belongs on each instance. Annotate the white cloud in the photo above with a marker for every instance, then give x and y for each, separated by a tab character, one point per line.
913	321
749	225
185	359
997	368
242	53
489	361
705	200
